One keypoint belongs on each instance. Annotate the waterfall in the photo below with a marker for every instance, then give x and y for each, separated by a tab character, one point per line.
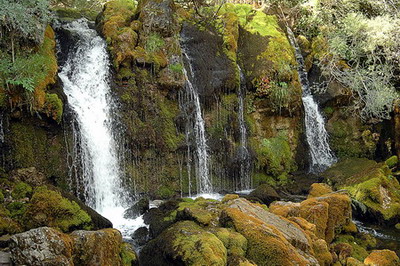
244	155
321	154
196	125
85	78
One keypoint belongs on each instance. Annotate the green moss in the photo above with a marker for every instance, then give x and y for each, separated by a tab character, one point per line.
53	107
329	111
397	226
392	161
185	243
1	197
165	124
154	42
235	243
128	255
21	190
200	211
358	251
177	68
165	192
17	209
274	156
49	208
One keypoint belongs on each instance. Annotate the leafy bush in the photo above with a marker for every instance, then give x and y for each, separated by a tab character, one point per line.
361	52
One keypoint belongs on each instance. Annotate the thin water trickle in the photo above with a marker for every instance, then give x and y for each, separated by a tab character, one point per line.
244	155
85	78
196	125
322	156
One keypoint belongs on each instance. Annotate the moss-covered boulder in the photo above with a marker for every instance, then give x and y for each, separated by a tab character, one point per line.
184	243
371	184
319	189
48	246
235	243
49	208
102	247
272	240
382	257
202	211
330	213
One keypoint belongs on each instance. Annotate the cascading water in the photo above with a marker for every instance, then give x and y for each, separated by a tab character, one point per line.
85	77
197	126
321	154
244	155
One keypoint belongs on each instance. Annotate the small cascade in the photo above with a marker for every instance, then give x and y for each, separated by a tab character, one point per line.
196	128
85	78
244	155
317	137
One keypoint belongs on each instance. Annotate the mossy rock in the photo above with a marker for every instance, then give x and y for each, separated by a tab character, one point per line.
184	243
53	107
266	245
319	189
370	183
358	252
128	255
49	208
381	258
392	161
202	211
70	14
235	243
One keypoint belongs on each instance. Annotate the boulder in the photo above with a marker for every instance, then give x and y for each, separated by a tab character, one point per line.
381	258
319	189
285	208
330	213
235	243
271	239
141	236
265	193
372	185
100	247
184	243
139	208
5	259
48	246
158	16
49	208
41	246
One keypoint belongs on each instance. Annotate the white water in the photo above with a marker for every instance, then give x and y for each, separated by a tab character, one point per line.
203	180
244	155
85	78
317	137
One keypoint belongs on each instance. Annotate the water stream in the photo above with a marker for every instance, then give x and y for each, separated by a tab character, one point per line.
196	128
244	155
85	78
322	156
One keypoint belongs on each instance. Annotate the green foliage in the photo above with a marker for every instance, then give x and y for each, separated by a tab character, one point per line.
154	42
165	192
361	51
17	209
23	17
275	156
177	68
53	107
1	197
21	190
